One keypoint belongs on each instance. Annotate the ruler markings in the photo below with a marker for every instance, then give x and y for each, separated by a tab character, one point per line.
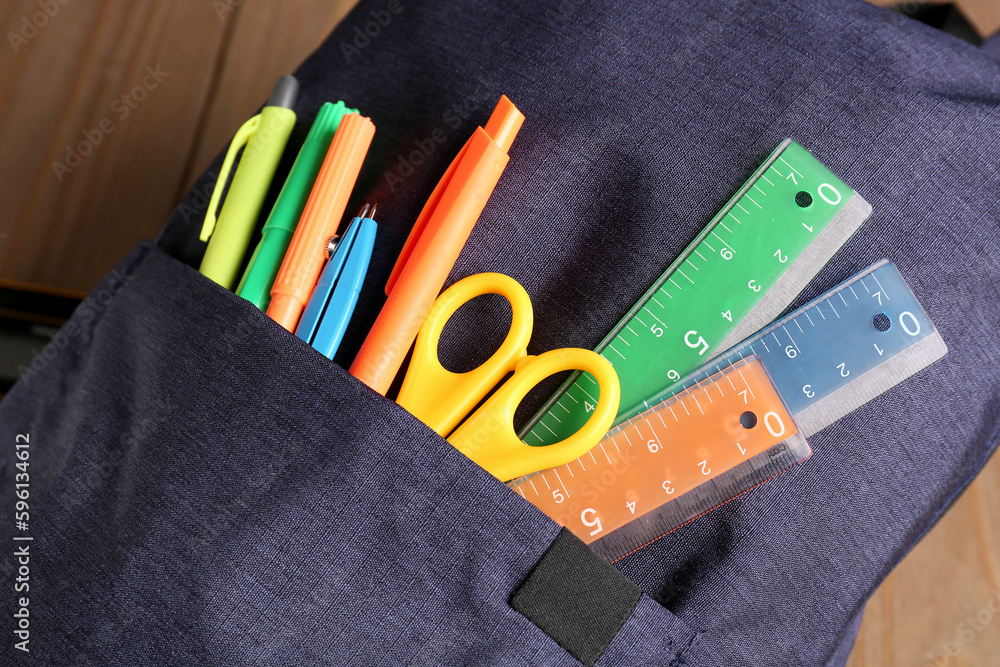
790	337
685	275
723	242
605	453
764	176
865	286
591	452
820	310
631	329
656	302
565	490
691	264
570	471
657	318
705	241
640	321
542	474
761	189
834	309
533	486
841	295
755	202
854	293
886	294
699	254
743	209
685	408
674	284
796	171
747	385
705	389
764	343
556	418
809	318
726	226
738	221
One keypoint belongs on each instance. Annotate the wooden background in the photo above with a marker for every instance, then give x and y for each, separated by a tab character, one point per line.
218	60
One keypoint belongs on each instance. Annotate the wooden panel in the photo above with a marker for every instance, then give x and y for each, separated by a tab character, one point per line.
984	15
67	226
269	39
941	606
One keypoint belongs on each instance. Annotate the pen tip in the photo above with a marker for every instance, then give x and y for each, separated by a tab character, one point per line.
371	214
363	213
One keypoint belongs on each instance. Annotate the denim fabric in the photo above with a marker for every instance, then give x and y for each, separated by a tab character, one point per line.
207	489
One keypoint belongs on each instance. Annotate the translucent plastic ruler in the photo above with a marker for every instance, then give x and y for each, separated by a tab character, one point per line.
839	351
742	271
742	418
672	462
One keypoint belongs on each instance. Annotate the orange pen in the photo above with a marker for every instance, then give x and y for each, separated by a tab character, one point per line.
433	246
320	218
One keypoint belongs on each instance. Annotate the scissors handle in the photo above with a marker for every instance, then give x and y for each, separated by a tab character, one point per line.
441	398
488	438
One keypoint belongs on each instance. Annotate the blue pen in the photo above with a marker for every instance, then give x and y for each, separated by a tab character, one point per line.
336	294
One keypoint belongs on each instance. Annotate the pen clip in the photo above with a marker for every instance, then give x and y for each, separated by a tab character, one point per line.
243	136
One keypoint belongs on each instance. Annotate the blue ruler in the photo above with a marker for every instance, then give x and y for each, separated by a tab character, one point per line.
837	352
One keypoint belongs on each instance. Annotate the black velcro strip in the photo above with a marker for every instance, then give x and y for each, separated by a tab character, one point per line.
576	598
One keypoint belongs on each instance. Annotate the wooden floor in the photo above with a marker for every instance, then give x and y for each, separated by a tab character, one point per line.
77	198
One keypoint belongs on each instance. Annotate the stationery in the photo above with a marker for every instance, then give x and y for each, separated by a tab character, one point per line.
741	271
441	399
256	284
264	137
336	294
320	218
434	244
743	417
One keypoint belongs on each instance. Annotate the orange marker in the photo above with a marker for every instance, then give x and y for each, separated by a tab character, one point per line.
434	244
320	219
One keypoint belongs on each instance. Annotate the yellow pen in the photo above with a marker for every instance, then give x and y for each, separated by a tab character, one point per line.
265	136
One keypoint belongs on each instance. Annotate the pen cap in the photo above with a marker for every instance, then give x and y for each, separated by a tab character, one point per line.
320	219
255	286
504	123
500	130
238	217
428	257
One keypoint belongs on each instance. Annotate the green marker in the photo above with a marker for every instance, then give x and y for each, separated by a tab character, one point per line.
255	286
265	136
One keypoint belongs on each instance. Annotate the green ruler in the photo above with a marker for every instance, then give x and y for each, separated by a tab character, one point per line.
740	273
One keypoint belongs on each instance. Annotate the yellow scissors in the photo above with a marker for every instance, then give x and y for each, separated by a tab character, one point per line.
440	398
